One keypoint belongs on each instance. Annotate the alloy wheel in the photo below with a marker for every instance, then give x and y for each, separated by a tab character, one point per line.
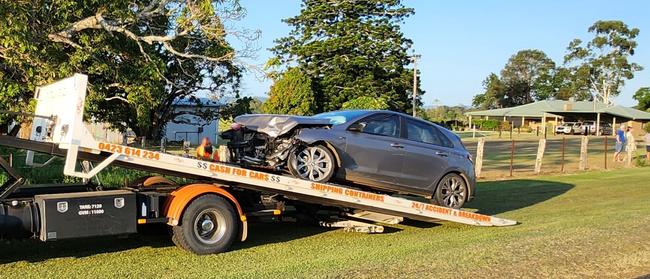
453	192
314	163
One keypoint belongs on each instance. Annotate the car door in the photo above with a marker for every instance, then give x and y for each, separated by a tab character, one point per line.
372	154
426	155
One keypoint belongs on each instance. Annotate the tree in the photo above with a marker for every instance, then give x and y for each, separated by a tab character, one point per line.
493	95
565	84
527	75
140	55
351	49
366	102
445	114
642	96
603	62
291	94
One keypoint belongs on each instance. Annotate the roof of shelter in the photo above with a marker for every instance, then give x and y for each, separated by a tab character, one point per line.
560	107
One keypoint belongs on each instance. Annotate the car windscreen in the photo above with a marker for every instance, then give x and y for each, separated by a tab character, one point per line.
340	117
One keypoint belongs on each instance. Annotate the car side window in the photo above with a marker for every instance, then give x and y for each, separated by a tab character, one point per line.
422	132
383	124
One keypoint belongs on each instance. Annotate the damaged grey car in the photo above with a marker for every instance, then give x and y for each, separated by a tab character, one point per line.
386	151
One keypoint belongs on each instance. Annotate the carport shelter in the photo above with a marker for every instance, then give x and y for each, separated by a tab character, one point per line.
552	110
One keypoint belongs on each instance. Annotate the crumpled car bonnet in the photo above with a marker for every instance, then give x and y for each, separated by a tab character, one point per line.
276	125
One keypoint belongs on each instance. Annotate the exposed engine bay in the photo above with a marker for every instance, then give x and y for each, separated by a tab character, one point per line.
267	140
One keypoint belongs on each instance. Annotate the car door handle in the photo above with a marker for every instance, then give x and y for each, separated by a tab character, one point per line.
396	145
442	154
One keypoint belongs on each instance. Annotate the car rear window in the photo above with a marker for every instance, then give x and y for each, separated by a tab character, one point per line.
426	133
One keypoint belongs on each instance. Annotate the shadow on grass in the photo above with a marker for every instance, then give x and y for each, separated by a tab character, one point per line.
502	196
155	236
268	233
33	250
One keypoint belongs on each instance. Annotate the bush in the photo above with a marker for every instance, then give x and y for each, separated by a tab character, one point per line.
640	161
486	124
505	125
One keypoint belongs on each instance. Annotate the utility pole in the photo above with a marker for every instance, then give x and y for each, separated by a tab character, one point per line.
415	58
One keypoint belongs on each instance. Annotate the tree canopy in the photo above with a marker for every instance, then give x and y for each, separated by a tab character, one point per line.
365	102
291	93
529	75
642	96
526	73
350	49
140	55
603	61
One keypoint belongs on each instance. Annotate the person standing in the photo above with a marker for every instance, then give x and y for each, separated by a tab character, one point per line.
205	151
620	143
630	147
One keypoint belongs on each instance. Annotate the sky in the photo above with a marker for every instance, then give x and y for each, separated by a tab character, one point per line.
462	42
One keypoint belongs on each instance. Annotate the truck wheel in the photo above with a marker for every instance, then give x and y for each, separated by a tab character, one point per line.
208	226
451	191
315	163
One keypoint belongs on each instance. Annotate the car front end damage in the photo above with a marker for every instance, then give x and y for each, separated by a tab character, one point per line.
267	140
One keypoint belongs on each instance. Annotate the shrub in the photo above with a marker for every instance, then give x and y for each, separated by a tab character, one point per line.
640	161
486	124
505	125
526	129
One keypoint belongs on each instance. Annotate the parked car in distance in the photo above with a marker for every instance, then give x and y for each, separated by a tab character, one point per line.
564	128
606	129
382	150
589	127
569	128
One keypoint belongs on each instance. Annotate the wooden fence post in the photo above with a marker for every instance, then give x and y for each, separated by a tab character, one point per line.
563	146
540	155
479	157
583	153
512	156
605	147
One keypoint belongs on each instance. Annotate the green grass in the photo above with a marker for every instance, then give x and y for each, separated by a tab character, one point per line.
111	177
592	224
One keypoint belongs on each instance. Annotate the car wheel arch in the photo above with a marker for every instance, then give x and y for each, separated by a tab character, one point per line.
331	148
458	172
312	137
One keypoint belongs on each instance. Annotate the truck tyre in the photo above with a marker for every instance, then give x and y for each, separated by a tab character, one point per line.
451	191
315	163
208	226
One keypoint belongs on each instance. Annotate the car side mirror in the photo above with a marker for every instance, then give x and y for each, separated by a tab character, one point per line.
357	127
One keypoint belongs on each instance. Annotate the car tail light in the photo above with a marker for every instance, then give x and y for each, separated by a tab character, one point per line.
469	157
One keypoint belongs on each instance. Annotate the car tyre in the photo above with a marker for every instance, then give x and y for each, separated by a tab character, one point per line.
208	226
314	162
452	191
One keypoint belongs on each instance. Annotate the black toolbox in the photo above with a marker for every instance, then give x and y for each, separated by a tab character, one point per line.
85	214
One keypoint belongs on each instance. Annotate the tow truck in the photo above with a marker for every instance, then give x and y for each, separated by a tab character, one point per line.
206	216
